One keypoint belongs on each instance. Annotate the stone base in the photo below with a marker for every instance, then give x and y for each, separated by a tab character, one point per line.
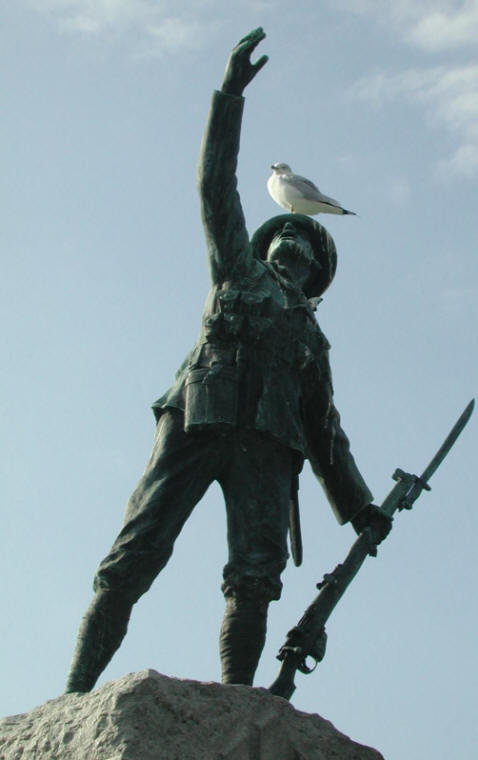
147	716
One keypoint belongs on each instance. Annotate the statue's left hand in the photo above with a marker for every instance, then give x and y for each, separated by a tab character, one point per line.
374	518
239	70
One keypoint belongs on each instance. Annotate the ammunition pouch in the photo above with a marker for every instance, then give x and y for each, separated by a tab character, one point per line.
211	398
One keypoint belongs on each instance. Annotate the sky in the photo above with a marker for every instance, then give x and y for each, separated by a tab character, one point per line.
104	277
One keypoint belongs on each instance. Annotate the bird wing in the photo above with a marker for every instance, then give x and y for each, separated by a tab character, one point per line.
306	186
309	191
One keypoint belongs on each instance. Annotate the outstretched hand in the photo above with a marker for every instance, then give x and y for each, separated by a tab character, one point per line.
239	70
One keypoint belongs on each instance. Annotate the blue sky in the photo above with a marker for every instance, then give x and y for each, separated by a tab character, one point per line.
104	276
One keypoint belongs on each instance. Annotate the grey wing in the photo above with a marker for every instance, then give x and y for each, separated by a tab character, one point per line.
309	191
306	187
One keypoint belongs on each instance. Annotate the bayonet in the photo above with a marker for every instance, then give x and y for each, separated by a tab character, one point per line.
413	485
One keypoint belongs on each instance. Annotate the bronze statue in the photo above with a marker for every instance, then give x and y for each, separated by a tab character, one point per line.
250	403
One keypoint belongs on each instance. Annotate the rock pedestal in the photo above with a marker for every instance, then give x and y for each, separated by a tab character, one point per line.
147	716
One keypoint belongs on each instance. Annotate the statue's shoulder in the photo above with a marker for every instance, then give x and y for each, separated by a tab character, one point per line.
254	275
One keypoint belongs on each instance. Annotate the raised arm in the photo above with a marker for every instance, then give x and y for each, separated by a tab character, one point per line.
222	215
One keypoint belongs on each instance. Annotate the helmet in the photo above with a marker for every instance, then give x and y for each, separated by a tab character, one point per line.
324	248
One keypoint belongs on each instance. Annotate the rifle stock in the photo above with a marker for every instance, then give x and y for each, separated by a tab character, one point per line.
307	639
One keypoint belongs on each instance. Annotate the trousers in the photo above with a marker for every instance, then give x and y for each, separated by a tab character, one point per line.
255	473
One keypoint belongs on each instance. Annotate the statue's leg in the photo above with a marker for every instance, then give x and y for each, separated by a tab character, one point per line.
242	638
178	473
101	632
256	486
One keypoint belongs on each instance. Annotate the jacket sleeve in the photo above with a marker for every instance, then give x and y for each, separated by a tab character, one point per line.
328	448
223	219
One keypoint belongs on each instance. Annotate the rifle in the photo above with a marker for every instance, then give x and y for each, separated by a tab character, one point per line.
308	638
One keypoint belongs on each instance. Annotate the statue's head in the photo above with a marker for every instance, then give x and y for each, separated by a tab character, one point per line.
303	246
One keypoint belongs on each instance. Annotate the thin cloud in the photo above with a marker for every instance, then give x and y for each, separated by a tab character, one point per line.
431	25
463	162
174	33
97	16
152	24
459	299
449	96
399	190
445	29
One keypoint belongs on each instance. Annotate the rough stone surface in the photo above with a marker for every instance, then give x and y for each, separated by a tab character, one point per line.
146	716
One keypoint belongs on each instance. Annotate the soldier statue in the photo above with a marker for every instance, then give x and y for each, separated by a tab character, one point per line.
250	403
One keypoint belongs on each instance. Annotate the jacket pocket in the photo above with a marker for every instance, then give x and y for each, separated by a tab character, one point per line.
211	398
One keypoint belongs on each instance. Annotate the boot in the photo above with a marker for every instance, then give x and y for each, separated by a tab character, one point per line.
101	632
242	638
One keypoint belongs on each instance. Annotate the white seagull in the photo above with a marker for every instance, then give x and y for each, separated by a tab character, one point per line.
299	195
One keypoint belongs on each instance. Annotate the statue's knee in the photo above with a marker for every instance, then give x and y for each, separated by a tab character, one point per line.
114	603
251	587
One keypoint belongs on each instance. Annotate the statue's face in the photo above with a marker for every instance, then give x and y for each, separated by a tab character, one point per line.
291	247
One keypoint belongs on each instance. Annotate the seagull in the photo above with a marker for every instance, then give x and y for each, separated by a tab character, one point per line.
299	195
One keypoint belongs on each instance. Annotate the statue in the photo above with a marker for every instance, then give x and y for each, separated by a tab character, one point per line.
250	403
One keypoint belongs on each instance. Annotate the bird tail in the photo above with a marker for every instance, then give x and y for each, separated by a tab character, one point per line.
352	213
